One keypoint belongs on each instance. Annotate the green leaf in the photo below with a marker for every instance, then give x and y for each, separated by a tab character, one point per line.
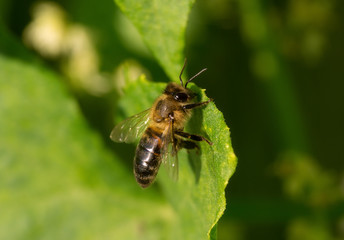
198	197
58	181
161	24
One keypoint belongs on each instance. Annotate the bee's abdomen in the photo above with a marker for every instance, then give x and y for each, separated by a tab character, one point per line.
147	158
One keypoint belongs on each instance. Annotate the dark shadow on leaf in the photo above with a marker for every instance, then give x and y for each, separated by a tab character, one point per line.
194	158
194	126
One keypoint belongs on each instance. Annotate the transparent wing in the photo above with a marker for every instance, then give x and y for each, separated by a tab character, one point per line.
170	152
131	128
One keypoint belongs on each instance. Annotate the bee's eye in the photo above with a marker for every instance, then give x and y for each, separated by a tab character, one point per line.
180	97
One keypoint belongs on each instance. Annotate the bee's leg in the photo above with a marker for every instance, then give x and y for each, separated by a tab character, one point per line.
193	137
194	105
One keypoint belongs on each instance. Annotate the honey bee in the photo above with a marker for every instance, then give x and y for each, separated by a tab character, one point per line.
161	130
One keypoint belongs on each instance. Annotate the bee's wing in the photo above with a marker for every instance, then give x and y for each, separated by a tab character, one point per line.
170	152
131	128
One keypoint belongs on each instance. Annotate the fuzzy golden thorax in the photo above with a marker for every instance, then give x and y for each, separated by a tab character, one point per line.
170	105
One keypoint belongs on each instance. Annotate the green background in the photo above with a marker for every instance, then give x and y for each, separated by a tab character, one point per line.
275	70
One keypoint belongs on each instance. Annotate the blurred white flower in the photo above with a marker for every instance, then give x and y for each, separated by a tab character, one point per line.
47	30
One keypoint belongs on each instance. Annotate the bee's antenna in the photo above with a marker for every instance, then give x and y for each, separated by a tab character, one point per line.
181	73
195	76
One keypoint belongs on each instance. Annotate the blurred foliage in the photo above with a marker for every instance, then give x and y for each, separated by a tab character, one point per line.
57	179
274	70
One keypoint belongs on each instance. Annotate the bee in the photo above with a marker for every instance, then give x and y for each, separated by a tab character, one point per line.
161	130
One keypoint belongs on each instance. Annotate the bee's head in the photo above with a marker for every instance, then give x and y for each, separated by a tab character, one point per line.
179	93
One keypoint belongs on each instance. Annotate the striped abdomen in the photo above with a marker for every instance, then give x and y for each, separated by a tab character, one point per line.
147	158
